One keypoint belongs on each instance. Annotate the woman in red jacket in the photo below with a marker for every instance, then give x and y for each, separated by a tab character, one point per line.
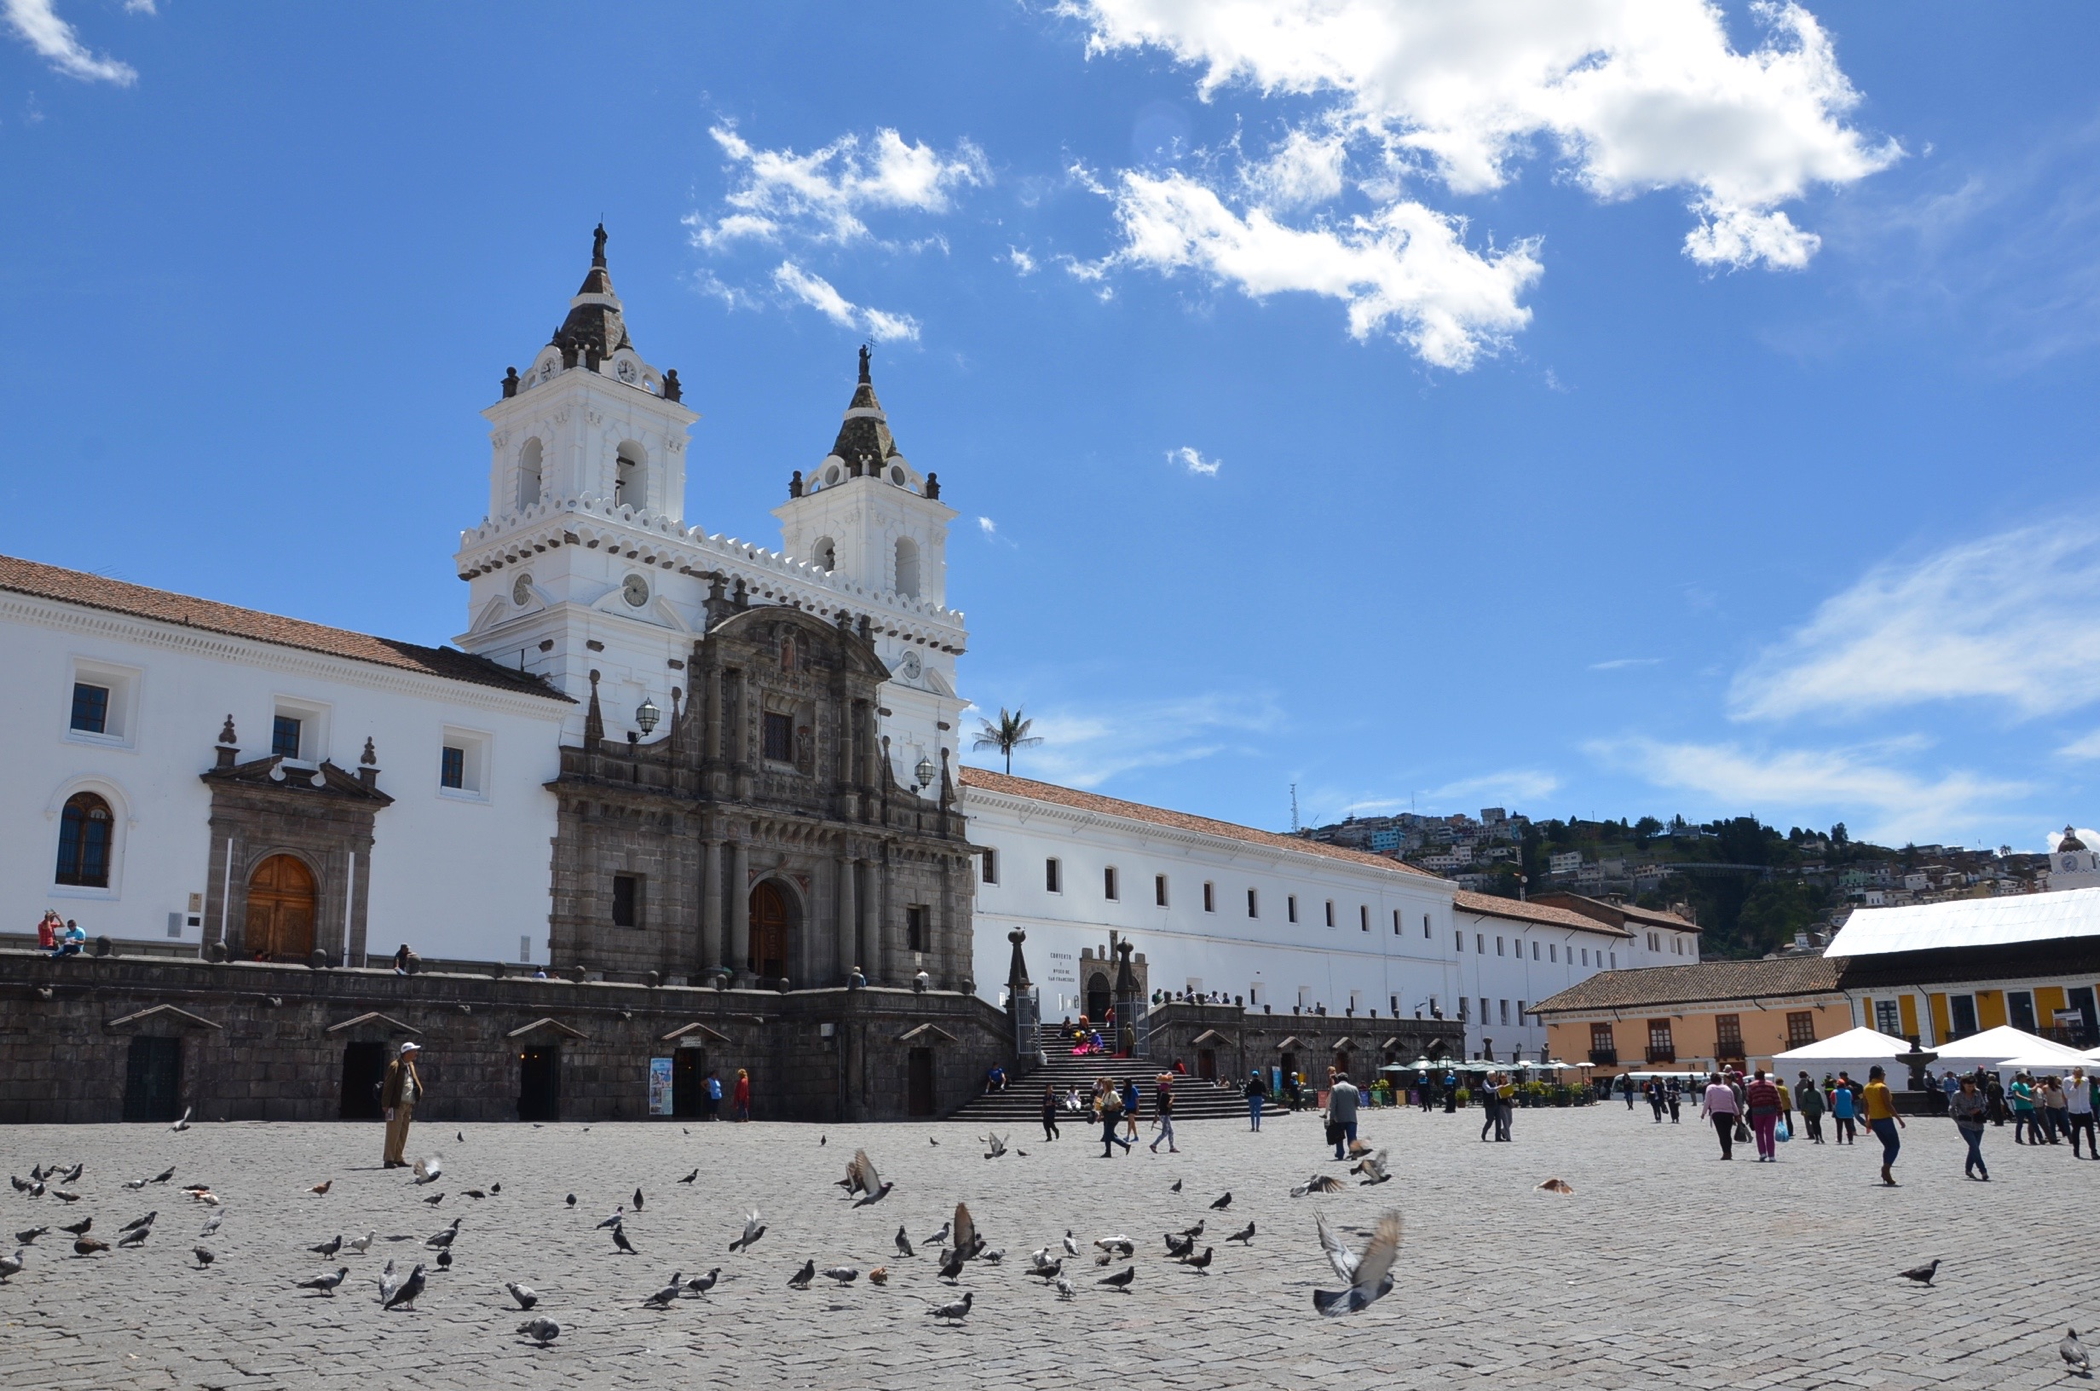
741	1097
1762	1099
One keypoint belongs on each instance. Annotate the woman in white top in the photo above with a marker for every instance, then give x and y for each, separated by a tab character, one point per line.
1721	1107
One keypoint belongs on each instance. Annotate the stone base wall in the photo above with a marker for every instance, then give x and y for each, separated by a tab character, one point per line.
269	1042
1244	1040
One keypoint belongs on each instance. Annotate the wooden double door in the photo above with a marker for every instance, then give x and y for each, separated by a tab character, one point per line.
769	932
280	921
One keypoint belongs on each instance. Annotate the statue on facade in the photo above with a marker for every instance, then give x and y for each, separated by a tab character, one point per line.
672	390
864	362
598	246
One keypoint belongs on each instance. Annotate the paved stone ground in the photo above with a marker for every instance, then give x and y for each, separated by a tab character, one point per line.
1666	1267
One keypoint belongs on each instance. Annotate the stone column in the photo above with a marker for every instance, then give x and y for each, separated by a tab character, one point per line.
739	910
711	880
877	939
849	918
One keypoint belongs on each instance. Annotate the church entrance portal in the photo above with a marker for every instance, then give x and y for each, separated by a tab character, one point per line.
918	1083
769	931
281	910
539	1084
364	1069
689	1082
1098	998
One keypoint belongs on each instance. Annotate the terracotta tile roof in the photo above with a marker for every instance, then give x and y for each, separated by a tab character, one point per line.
161	606
1654	987
1179	820
1542	914
1618	914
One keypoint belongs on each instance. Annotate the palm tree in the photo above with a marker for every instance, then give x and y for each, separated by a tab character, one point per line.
1009	734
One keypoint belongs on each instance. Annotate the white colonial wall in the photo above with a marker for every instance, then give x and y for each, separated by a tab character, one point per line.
461	876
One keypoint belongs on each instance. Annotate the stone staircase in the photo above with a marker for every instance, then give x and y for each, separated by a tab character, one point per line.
1020	1106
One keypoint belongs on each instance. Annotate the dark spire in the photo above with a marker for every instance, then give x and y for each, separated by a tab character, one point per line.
593	720
864	441
594	328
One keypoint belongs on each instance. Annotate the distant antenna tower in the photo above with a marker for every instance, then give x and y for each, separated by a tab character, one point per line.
1294	809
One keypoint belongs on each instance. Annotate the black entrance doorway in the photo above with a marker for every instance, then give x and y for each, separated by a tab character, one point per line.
153	1079
918	1082
364	1070
1097	998
539	1084
689	1082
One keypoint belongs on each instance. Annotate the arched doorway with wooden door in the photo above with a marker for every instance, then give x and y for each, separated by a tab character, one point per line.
773	920
280	918
1098	998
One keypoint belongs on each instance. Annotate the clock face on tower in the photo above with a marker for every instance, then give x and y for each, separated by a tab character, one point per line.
911	666
635	590
2070	863
627	371
521	592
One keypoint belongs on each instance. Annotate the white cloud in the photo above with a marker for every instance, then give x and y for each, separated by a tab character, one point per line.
1086	747
1785	783
2083	748
1305	169
821	196
988	526
819	294
38	24
1194	462
1509	787
2010	618
1403	266
1638	95
1022	262
1622	663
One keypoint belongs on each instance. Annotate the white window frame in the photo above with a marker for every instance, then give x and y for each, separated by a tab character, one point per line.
121	721
315	719
122	819
475	744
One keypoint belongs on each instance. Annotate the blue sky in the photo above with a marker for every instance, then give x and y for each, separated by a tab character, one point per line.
1598	408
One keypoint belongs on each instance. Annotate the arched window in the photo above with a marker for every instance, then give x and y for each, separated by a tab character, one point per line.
825	554
631	477
907	567
529	461
86	832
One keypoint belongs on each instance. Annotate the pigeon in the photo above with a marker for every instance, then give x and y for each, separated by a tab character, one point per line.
445	1259
620	1240
1244	1235
990	1257
137	1222
428	1170
320	1190
526	1295
21	1184
164	1175
931	1141
1222	1203
1117	1245
476	1194
1193	1232
2073	1353
405	1297
637	1200
1103	1259
1065	1289
956	1312
63	1196
619	1215
1358	1149
387	1283
36	1190
1121	1279
701	1284
1338	1255
690	1178
844	1274
994	1146
444	1238
867	1182
459	1136
88	1246
754	1228
1318	1183
668	1295
326	1283
1179	1246
73	1174
801	1278
182	1123
1922	1274
938	1237
12	1265
359	1245
28	1238
1176	1187
1071	1246
135	1184
823	1140
205	1196
495	1188
571	1200
1558	1185
541	1330
952	1266
204	1256
1049	1270
434	1199
80	1228
212	1224
903	1243
135	1237
880	1275
329	1247
1200	1263
1373	1270
1373	1169
967	1242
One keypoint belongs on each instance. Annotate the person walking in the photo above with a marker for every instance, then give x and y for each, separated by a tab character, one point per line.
1844	1112
1810	1100
740	1098
1163	1113
1491	1105
1676	1098
1505	1107
1720	1108
1342	1098
1883	1121
1132	1103
1763	1099
1050	1131
1626	1088
1109	1103
2055	1109
714	1095
398	1095
1655	1098
1256	1092
2078	1112
2022	1094
1970	1109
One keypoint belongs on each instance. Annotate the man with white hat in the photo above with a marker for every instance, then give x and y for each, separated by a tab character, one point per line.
398	1097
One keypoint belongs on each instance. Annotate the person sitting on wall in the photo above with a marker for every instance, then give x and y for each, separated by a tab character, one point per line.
73	941
51	932
405	961
1179	1069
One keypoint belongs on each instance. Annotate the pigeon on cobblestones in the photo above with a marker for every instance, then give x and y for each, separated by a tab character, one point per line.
619	1215
445	1237
690	1178
904	1243
1921	1274
212	1225
1071	1246
79	1228
204	1256
1225	1202
1065	1288
801	1278
620	1240
137	1222
637	1199
1178	1246
387	1283
21	1184
73	1174
65	1197
88	1246
1176	1188
164	1175
1119	1245
405	1297
1200	1264
359	1245
29	1236
701	1284
434	1199
951	1266
1048	1270
570	1200
1121	1279
328	1247
445	1259
12	1265
541	1330
326	1283
880	1275
526	1295
476	1194
1193	1232
956	1312
2074	1355
754	1228
1372	1276
320	1190
668	1295
844	1274
1245	1235
938	1237
182	1123
136	1237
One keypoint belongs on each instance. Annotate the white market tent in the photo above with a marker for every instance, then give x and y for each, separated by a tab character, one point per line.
2039	1063
1852	1046
1991	1047
1970	922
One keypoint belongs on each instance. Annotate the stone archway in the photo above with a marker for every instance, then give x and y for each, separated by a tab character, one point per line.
280	916
774	910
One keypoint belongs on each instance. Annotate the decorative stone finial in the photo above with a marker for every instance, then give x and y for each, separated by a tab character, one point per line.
795	484
933	487
370	757
226	735
598	246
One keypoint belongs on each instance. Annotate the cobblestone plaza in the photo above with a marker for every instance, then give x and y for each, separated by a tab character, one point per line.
1665	1267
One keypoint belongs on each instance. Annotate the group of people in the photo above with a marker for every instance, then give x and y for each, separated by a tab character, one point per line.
1118	1106
58	936
1759	1108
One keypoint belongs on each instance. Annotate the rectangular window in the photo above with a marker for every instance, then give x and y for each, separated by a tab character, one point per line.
2019	1006
1210	897
915	927
779	737
525	951
1603	1048
1425	926
1585	956
1464	1009
1553	951
1504	1010
1964	1008
1662	1048
284	737
627	900
1253	905
463	757
1728	1036
1534	951
1483	1009
1108	883
90	708
1460	937
1498	947
452	767
1290	908
991	867
1520	1011
1615	961
1888	1018
1480	944
1159	889
1363	917
1052	880
1396	924
1800	1029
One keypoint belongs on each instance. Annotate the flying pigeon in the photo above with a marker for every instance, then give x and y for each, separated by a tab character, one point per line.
1225	1202
692	1177
967	1242
326	1283
844	1274
1244	1235
329	1247
620	1240
12	1265
801	1278
1339	1256
951	1265
444	1238
182	1123
701	1284
866	1181
1922	1274
541	1330
405	1297
1121	1279
668	1295
73	1174
1373	1275
1373	1169
754	1228
956	1312
526	1295
204	1256
1358	1149
359	1245
2073	1353
904	1244
994	1146
1318	1183
429	1170
1558	1185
